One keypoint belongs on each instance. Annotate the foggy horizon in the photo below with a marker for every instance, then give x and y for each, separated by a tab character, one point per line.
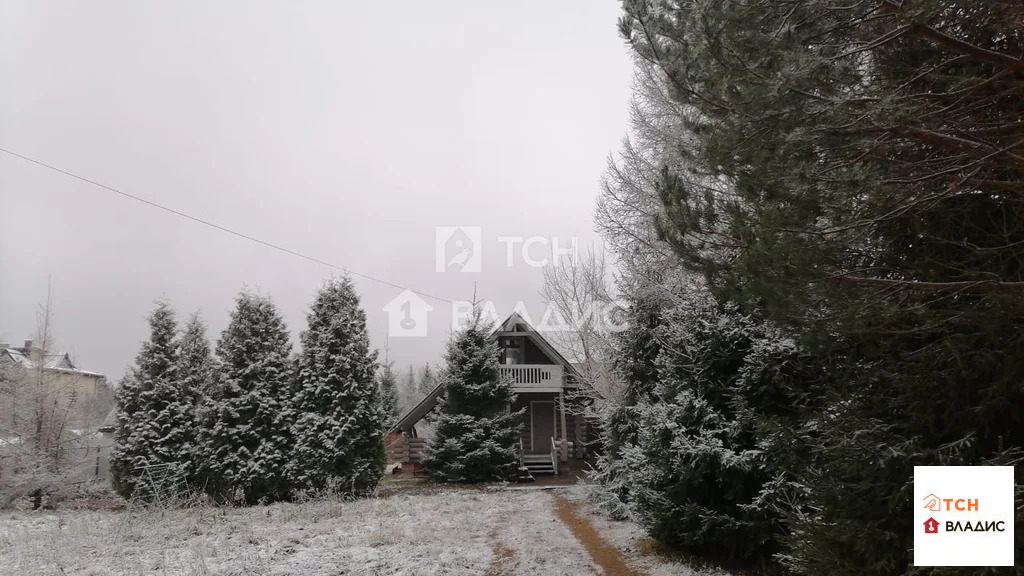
344	134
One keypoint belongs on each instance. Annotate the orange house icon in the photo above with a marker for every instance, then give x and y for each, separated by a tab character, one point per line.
931	502
931	526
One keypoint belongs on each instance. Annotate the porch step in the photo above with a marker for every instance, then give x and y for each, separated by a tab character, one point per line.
538	464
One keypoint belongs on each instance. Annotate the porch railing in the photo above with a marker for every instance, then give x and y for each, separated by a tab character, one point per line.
554	456
527	376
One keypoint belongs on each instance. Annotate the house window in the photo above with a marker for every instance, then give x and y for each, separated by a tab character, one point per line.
513	351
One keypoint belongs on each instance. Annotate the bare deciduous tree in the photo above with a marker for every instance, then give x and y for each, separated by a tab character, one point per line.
39	407
578	290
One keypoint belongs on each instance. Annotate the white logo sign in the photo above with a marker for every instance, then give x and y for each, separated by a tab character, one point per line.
963	515
407	315
457	248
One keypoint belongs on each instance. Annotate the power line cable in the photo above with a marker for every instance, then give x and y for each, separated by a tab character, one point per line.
222	228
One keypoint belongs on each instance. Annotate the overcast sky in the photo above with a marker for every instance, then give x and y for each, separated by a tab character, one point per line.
346	131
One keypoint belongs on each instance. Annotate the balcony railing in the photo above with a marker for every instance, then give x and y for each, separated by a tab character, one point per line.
534	376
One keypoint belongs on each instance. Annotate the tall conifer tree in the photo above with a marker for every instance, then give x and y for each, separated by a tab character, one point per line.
340	422
196	373
247	440
154	418
388	389
476	439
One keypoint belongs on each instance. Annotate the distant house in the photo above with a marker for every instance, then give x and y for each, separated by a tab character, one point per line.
547	386
65	386
58	369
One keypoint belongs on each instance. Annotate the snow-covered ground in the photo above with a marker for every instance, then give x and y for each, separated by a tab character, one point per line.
457	531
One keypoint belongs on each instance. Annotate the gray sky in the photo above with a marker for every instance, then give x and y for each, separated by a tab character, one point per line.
343	130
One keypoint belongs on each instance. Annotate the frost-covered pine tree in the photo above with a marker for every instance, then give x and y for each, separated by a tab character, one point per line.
340	423
476	434
196	372
387	386
154	424
246	435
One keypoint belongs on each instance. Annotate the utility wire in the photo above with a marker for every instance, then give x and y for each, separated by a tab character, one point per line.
222	228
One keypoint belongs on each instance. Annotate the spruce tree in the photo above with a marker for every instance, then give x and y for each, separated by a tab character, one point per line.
428	381
340	422
477	437
409	392
246	437
388	389
154	423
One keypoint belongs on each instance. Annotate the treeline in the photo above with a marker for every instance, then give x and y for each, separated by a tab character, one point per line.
248	421
818	223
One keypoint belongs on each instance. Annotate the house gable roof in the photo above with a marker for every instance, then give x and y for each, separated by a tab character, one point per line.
516	325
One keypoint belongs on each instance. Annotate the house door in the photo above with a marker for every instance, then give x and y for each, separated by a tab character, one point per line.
542	426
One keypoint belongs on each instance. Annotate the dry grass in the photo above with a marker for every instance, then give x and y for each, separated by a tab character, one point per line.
441	532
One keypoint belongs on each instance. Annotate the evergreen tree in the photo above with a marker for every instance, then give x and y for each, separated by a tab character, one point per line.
340	424
409	392
636	350
852	173
477	437
196	371
246	438
705	475
428	381
388	389
154	424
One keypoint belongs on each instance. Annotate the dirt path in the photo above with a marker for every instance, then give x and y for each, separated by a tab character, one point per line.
504	563
604	554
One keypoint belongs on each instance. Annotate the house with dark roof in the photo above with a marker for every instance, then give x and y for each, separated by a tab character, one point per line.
548	388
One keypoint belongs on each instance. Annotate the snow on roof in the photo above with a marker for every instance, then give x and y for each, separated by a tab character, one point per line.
56	362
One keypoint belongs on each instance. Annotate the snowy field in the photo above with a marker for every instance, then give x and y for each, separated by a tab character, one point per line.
457	531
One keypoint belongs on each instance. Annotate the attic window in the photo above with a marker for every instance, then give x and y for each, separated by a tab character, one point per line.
513	352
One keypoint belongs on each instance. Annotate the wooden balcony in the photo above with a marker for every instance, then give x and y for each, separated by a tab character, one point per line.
535	377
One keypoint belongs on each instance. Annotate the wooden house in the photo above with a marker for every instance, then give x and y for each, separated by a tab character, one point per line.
547	387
